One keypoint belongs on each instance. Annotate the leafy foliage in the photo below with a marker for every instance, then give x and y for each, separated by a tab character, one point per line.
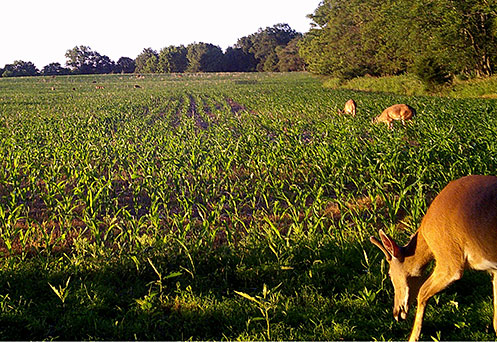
19	68
354	38
431	72
54	69
147	61
270	49
82	60
263	44
289	58
125	65
173	59
203	57
238	60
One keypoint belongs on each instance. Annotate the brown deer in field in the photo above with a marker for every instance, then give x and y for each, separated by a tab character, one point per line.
400	112
99	87
459	231
350	108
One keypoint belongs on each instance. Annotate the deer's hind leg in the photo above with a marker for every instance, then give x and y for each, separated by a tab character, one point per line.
494	283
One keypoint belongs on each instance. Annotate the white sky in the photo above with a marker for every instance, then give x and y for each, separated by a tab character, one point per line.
41	31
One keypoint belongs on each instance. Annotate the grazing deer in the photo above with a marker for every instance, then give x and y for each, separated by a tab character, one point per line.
350	108
400	112
458	231
99	87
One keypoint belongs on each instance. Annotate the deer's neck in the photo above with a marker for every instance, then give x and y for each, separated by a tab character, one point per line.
417	254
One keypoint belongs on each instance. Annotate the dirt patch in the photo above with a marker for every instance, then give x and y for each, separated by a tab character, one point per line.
236	107
208	111
192	112
357	205
175	119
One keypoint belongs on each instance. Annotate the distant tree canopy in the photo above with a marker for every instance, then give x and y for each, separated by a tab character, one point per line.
356	37
53	69
263	44
269	49
82	60
288	56
435	39
203	57
19	68
125	65
238	60
147	61
173	59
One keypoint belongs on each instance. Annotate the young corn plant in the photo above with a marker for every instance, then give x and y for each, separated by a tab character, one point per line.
266	303
159	283
61	292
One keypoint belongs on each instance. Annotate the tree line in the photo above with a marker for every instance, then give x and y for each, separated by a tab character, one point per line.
270	49
435	39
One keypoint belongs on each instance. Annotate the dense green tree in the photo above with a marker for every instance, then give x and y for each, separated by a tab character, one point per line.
20	68
383	37
8	70
173	59
103	64
264	42
431	72
204	57
125	65
147	61
337	44
238	60
53	69
477	25
83	60
289	58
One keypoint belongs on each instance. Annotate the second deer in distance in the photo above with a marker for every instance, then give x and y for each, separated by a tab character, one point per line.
400	112
349	108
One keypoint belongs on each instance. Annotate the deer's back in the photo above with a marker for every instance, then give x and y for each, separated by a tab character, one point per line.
399	112
350	107
461	223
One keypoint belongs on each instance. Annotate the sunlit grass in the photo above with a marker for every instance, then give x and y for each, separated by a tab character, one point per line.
410	85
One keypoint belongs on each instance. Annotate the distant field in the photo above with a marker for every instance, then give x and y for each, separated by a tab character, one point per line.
223	206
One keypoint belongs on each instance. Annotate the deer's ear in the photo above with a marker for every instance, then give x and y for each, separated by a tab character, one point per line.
388	246
391	246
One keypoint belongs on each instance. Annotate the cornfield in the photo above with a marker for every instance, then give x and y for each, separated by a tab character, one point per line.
222	206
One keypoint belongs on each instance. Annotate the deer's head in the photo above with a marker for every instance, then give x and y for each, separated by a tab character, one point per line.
405	273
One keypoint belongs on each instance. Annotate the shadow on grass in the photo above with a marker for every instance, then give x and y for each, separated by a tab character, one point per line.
325	293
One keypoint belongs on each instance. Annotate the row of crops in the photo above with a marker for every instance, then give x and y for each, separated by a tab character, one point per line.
257	171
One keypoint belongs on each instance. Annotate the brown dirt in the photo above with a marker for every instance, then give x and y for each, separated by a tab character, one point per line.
192	112
236	107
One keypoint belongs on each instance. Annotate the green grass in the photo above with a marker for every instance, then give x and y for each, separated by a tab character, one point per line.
222	206
411	86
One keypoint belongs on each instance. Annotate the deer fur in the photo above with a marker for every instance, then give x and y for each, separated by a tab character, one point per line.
349	108
459	231
400	112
